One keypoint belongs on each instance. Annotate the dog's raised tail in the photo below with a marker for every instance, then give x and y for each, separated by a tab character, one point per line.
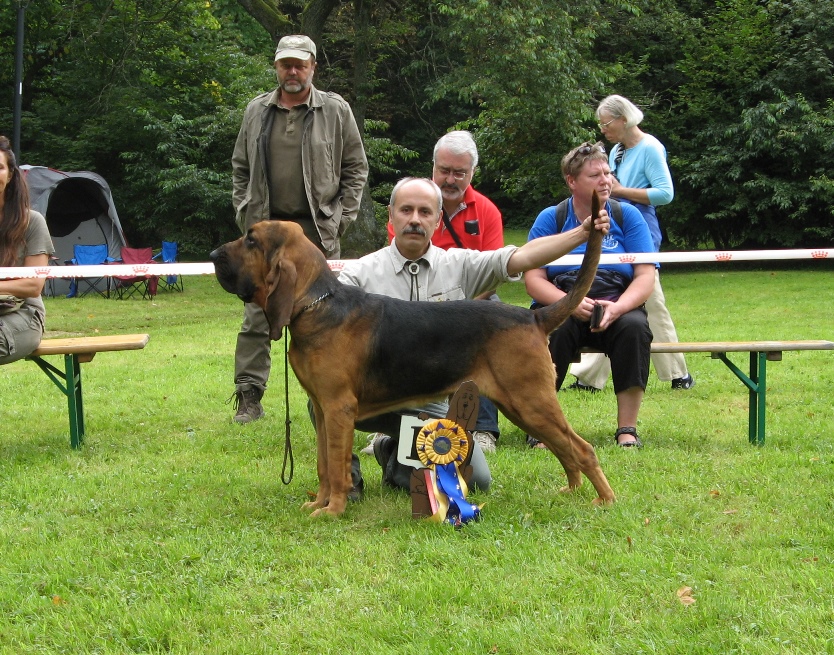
554	315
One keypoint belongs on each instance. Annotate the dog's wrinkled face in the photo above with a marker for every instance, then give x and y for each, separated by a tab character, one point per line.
255	270
226	260
240	266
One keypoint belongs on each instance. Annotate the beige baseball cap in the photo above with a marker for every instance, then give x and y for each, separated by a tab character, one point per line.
295	46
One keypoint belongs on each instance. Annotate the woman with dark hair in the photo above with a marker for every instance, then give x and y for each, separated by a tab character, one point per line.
24	241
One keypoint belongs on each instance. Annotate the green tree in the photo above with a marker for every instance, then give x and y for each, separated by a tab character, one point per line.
103	78
527	72
756	109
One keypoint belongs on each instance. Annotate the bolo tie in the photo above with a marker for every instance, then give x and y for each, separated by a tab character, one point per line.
414	270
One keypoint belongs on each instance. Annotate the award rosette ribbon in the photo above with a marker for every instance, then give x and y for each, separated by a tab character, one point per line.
442	446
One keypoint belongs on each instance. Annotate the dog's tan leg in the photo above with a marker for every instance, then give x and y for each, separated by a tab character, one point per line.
548	424
576	455
335	453
323	495
526	394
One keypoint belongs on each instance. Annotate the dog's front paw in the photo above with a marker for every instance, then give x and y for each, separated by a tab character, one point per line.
601	502
326	511
318	500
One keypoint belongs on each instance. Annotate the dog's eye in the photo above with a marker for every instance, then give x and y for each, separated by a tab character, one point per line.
249	241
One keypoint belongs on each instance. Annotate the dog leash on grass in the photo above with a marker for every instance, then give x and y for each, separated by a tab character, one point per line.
287	421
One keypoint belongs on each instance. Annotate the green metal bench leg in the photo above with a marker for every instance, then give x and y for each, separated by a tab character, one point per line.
75	400
761	392
756	384
69	382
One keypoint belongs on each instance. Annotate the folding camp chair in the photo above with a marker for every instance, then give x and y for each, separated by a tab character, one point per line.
145	286
49	285
168	254
89	256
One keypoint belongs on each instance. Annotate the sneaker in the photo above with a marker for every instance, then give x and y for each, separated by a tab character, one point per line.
248	405
486	440
372	439
683	383
578	386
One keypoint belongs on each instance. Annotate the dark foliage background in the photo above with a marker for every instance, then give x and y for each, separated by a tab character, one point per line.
149	93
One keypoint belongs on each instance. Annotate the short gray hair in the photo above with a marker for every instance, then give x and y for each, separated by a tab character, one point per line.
459	142
406	180
620	107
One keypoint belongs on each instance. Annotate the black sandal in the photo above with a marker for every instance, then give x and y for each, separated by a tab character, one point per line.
629	444
532	442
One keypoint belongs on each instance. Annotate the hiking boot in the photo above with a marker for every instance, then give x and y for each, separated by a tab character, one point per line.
486	440
683	383
248	405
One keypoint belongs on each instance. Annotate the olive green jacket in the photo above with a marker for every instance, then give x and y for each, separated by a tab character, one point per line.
335	167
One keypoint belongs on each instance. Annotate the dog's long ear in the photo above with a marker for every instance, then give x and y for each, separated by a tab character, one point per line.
280	295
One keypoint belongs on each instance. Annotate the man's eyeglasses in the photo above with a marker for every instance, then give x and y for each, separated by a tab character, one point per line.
446	172
602	126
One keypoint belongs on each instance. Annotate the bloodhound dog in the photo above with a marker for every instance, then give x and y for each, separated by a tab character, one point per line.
358	354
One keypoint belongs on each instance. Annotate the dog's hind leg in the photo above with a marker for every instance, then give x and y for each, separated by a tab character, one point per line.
548	424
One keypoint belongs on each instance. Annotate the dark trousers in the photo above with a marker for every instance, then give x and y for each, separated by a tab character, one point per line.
627	342
487	416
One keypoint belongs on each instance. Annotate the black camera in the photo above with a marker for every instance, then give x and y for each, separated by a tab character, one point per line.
596	316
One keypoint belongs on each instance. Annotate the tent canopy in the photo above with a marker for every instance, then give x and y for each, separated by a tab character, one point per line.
79	209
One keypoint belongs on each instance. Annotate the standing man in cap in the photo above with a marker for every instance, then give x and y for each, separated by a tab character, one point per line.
298	157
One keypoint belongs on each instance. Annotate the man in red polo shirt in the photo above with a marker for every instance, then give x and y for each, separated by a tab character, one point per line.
471	221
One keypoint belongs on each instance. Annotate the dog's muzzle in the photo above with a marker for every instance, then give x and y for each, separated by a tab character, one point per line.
227	275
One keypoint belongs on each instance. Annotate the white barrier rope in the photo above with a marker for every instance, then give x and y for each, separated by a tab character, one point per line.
207	268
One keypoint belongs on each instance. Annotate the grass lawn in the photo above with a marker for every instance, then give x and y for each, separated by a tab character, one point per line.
170	531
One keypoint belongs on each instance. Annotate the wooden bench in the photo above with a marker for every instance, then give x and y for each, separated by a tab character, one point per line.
756	382
77	351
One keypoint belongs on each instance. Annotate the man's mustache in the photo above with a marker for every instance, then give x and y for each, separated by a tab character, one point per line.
414	229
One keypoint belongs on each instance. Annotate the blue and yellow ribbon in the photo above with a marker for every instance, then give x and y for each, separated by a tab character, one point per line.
442	446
